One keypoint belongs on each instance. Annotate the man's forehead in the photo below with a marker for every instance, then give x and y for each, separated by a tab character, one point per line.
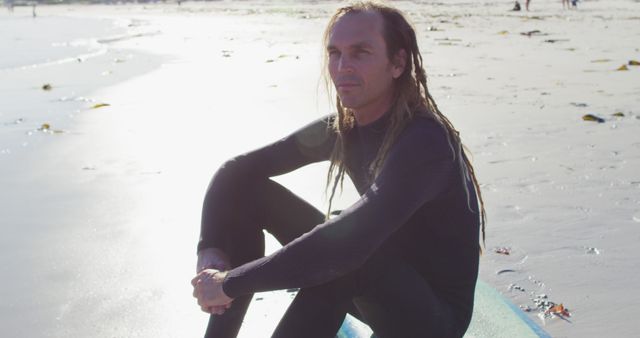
357	28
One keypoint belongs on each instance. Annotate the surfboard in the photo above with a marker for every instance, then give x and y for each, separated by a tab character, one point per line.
496	316
493	317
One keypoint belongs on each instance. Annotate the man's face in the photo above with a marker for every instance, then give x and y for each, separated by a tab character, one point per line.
358	63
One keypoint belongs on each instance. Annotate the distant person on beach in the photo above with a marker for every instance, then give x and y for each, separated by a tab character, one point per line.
574	4
404	257
516	7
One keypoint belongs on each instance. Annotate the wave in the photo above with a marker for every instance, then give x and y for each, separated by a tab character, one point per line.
53	41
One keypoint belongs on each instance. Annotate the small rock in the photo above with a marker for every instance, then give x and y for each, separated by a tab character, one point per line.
525	308
516	287
579	104
593	251
503	250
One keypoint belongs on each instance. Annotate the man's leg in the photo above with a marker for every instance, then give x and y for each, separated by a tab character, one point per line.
263	205
396	301
318	312
390	296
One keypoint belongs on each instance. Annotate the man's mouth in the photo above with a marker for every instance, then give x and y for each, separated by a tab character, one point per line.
346	85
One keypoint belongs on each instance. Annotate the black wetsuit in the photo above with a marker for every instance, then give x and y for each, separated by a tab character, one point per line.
405	254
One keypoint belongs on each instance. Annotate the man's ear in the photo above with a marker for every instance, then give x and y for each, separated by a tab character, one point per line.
399	63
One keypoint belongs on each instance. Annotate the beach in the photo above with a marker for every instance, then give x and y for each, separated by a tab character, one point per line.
113	119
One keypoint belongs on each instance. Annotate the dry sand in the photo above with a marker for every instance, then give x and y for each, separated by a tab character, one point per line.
100	222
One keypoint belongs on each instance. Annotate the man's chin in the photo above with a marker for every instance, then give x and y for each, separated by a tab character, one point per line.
350	104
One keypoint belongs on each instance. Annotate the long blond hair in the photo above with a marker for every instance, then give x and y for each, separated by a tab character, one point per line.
411	98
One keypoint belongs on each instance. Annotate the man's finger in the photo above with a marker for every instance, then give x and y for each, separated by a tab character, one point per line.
206	266
196	291
218	309
206	309
195	280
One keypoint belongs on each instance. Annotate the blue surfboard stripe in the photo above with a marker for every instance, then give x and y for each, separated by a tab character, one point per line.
518	312
523	316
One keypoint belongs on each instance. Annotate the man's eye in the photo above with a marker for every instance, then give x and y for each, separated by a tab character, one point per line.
334	53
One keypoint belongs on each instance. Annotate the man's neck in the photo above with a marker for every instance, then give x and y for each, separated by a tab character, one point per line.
366	115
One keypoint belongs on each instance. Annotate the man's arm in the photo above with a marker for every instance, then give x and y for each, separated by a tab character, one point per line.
419	168
312	143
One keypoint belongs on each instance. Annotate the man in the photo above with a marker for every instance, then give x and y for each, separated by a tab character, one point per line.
404	258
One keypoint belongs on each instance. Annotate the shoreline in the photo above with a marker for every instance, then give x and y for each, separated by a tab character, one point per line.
51	199
60	89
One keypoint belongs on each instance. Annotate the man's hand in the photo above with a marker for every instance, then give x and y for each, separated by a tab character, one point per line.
207	288
212	258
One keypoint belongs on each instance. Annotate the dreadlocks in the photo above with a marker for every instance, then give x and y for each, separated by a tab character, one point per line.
411	98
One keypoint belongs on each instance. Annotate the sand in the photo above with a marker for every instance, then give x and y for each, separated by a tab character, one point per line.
100	212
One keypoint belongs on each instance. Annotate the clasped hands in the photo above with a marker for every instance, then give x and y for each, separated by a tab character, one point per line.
207	284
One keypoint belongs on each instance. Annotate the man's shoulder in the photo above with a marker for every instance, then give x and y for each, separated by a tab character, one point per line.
424	137
426	129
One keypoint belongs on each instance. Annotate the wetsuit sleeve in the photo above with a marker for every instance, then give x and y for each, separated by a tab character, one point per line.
312	143
419	169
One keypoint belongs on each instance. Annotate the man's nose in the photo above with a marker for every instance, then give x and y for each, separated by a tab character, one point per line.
345	64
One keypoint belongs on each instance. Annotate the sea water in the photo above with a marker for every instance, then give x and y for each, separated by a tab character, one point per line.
26	41
35	55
